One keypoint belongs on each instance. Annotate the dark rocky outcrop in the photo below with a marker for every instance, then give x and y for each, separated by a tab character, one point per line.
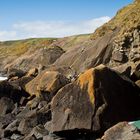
12	91
12	72
95	101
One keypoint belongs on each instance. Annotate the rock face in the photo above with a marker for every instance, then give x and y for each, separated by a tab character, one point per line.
92	101
46	84
90	55
122	131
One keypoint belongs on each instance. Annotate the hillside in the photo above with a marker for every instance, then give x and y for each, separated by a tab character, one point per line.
13	50
30	53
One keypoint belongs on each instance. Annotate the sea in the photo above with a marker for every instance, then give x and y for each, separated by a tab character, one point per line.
2	78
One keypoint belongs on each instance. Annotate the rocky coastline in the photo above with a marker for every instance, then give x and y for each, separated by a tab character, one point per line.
84	87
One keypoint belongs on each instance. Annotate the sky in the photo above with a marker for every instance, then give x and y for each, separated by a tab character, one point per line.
21	19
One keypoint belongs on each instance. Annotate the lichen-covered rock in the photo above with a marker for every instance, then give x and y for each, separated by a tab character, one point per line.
95	101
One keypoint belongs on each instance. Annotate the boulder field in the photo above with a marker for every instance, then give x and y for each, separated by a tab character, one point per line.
50	106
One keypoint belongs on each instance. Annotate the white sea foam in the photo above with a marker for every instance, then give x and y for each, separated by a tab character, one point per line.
3	78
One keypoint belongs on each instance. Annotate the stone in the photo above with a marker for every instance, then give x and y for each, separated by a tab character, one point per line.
29	119
12	126
21	82
138	83
122	131
6	120
32	72
12	91
7	105
96	94
124	69
39	132
16	137
29	138
118	56
135	76
46	84
5	133
53	137
12	72
26	125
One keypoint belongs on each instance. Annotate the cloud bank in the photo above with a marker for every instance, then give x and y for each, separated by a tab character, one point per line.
51	28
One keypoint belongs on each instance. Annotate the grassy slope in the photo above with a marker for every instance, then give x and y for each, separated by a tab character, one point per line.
126	19
17	48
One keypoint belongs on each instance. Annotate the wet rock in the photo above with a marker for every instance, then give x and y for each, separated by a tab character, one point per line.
122	131
7	105
96	94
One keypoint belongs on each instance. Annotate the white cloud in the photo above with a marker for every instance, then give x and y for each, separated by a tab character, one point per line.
7	35
52	28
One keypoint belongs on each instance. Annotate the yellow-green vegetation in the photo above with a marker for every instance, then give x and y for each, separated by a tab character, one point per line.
17	48
71	41
126	20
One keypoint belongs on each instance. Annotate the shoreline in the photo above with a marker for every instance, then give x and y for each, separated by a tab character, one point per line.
2	78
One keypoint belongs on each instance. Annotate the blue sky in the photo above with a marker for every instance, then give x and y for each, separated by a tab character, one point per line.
54	18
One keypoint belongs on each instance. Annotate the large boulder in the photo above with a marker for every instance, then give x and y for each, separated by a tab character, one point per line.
21	82
46	84
98	99
122	131
94	52
12	91
12	72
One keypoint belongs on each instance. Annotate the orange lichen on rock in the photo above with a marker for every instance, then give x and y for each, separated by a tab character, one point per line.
87	80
